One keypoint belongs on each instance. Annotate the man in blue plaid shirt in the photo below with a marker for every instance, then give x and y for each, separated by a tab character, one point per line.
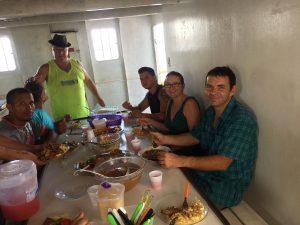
224	165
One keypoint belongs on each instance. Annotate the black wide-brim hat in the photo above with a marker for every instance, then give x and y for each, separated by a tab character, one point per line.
60	41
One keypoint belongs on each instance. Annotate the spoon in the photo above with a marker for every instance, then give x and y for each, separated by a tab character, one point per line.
77	172
62	195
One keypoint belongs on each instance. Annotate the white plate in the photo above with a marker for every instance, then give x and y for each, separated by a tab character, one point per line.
176	199
161	147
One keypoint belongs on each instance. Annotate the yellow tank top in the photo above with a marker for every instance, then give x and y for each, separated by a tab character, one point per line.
66	91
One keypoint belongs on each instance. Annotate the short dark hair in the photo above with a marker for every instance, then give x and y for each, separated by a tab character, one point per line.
36	89
223	71
11	95
177	74
146	69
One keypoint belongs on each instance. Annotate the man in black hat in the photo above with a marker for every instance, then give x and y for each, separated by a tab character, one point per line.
65	80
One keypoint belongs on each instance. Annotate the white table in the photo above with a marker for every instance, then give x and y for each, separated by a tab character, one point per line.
59	172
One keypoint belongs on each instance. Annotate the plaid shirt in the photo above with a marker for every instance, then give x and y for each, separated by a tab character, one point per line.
235	137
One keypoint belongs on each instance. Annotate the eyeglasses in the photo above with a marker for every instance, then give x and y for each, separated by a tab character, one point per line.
173	85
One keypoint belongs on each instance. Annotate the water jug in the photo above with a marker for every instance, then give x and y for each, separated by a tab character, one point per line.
110	195
18	190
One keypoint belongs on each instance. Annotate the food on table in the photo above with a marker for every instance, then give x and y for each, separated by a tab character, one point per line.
120	170
139	132
108	130
105	139
152	154
75	124
102	111
59	220
52	151
193	214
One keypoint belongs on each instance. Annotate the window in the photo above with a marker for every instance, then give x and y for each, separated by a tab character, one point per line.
7	60
105	44
160	53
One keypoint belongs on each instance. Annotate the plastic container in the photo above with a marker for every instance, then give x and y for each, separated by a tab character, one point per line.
18	190
110	195
111	120
100	124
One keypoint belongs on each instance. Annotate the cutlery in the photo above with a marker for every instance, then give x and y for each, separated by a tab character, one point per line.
186	193
76	173
173	221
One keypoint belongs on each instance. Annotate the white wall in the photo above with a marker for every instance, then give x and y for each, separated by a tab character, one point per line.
138	51
260	41
32	50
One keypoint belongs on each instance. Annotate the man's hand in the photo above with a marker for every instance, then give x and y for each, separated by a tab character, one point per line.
127	105
33	157
80	220
170	160
101	102
136	113
61	126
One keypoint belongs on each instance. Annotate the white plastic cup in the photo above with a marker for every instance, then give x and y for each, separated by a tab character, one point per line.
156	179
90	135
93	194
100	124
128	135
136	145
85	128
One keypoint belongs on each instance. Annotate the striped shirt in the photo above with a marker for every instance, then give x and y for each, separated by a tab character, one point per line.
235	137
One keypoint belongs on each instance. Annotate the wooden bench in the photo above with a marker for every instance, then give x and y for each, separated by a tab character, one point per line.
243	214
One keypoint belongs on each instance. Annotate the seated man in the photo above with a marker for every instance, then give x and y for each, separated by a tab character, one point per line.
40	116
224	165
17	125
156	98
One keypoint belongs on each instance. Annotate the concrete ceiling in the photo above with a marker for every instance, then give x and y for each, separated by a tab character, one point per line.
31	12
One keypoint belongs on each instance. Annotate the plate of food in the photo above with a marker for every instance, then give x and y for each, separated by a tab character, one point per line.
151	153
58	220
140	132
53	151
108	130
170	207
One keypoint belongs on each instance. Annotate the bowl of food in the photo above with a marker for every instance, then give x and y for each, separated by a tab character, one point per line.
108	142
151	153
127	170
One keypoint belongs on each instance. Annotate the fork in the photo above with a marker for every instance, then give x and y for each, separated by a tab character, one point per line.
173	221
186	193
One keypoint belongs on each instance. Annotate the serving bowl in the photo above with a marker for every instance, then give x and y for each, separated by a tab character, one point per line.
107	142
127	170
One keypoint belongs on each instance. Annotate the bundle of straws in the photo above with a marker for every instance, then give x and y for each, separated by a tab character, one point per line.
142	215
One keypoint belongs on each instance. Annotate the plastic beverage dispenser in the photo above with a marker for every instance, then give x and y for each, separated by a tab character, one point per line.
18	190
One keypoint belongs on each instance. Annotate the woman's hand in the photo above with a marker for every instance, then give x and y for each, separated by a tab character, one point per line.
159	138
145	122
